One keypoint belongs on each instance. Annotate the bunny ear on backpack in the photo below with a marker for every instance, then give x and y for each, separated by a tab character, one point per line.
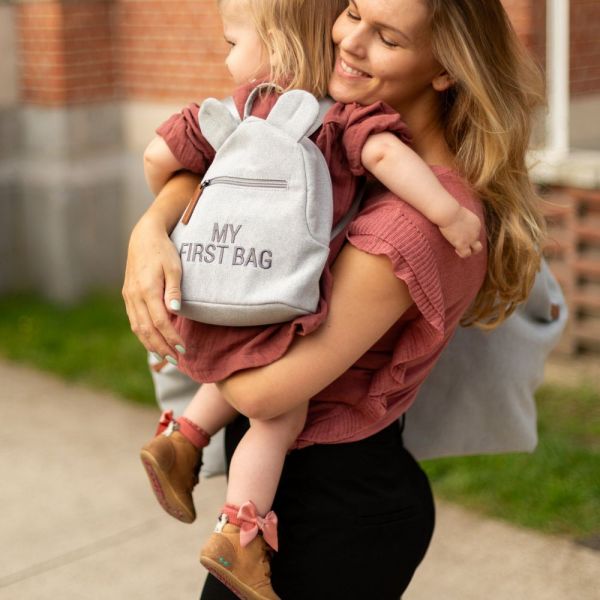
297	113
216	122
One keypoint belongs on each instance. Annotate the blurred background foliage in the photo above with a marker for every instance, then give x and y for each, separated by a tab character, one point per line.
556	489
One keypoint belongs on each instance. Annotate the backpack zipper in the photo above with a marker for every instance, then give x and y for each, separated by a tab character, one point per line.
247	182
226	180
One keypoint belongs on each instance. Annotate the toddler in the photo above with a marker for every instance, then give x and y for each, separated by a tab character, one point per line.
286	42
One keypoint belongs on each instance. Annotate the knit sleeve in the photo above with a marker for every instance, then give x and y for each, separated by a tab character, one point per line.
411	243
182	134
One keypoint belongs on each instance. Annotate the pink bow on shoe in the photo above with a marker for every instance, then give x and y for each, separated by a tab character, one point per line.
251	523
165	419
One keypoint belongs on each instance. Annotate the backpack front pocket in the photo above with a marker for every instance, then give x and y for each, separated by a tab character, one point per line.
227	180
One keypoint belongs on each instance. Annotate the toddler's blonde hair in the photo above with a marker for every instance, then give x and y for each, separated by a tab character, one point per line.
297	35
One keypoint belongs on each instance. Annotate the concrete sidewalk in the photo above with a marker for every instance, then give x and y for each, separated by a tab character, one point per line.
77	520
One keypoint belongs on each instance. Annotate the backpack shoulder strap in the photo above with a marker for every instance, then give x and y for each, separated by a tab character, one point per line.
345	220
324	105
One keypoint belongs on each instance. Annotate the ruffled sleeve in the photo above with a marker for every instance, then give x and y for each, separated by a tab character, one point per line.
182	134
409	241
357	123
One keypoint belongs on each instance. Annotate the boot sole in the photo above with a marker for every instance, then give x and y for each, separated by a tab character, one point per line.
164	492
239	588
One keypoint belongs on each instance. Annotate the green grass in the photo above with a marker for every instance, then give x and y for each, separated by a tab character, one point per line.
556	489
90	343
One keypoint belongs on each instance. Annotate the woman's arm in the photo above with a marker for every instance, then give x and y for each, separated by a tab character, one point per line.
159	164
405	173
367	300
153	270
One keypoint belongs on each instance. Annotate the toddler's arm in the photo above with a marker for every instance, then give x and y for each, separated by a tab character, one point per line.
404	173
159	164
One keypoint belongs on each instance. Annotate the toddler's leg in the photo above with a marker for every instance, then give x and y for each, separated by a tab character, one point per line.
209	410
257	462
173	458
235	554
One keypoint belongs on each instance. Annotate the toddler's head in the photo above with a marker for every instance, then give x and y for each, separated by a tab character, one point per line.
285	41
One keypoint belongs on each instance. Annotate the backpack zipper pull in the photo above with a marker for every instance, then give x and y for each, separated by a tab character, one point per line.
187	215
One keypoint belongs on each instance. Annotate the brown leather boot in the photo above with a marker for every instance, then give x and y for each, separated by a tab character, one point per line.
245	571
172	464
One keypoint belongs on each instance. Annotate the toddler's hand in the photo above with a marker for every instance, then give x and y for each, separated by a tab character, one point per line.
463	232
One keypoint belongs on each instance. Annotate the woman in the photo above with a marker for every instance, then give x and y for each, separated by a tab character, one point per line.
355	509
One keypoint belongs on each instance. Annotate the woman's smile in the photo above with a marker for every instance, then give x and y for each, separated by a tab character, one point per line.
347	69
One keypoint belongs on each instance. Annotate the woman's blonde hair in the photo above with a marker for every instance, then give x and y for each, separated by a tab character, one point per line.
487	117
297	35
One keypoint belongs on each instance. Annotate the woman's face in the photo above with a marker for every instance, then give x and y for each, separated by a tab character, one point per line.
383	52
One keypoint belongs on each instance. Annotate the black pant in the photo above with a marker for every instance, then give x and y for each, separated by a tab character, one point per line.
355	520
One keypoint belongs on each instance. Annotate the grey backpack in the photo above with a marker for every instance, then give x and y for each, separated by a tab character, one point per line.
255	238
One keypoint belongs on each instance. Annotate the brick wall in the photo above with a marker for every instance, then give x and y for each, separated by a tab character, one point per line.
170	50
66	52
585	47
173	50
529	20
573	251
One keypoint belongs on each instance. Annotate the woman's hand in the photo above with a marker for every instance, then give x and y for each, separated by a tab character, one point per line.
153	270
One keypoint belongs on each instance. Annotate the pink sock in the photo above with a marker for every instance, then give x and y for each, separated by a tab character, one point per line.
231	510
195	434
